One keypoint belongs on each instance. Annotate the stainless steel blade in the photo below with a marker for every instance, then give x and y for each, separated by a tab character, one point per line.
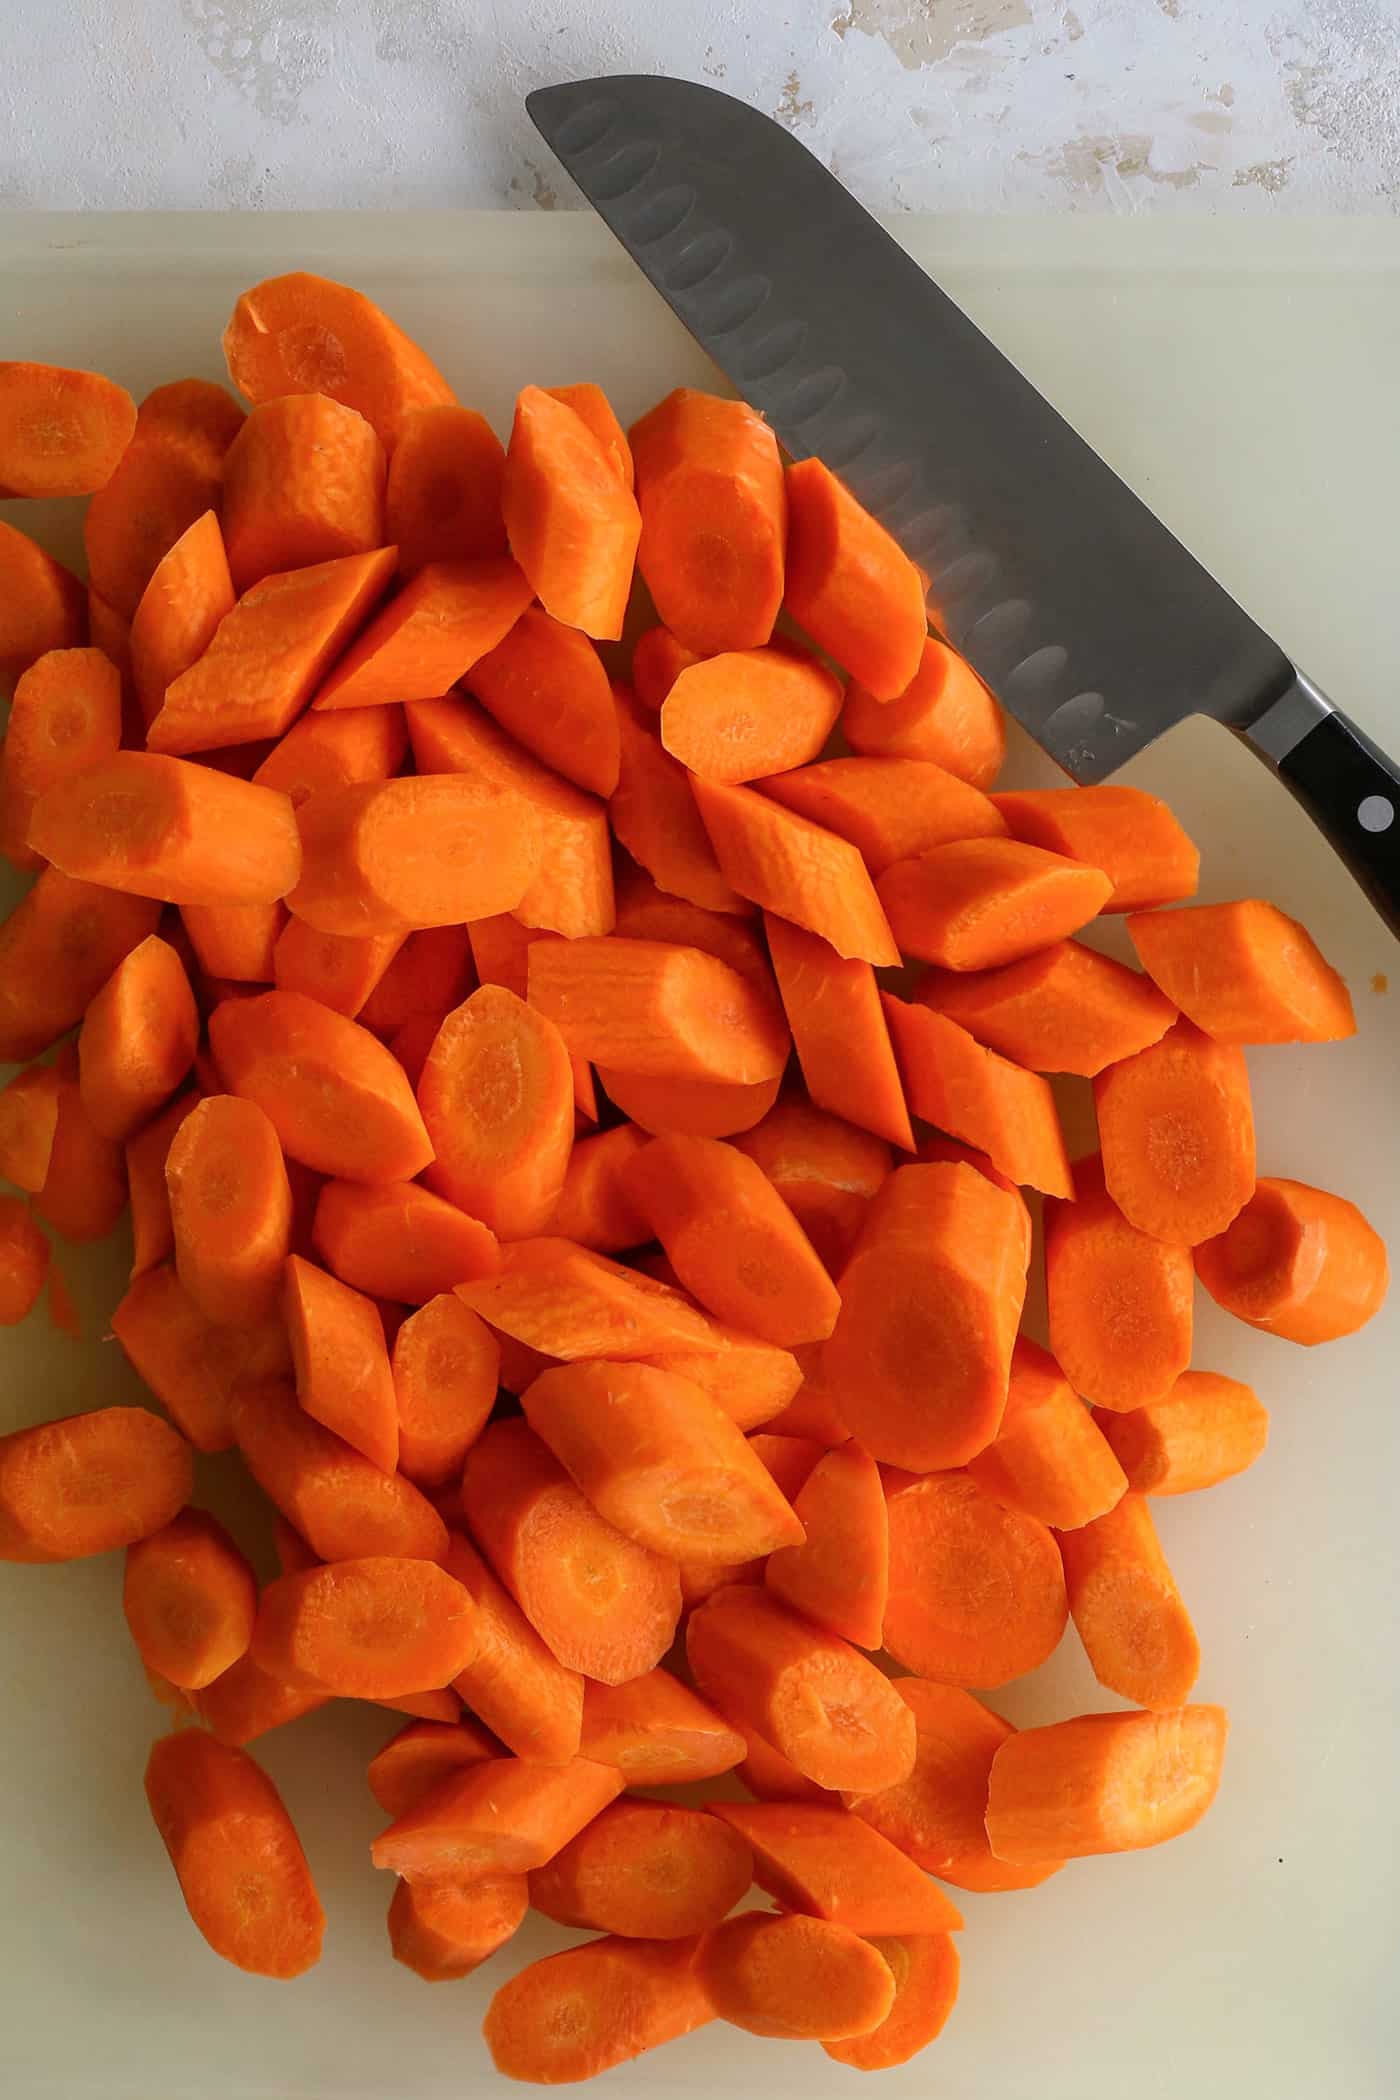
1088	619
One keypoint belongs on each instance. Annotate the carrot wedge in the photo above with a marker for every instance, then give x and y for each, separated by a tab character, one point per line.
442	622
168	476
1065	1009
1244	972
61	432
343	1506
497	1099
335	750
839	1575
1120	1304
654	816
1297	1262
29	1106
839	1032
397	1240
691	1108
658	659
572	525
1131	835
1104	1783
594	1208
503	1816
189	594
444	1365
1176	1134
796	869
137	1041
569	1303
750	714
66	715
952	1081
647	1870
1207	1429
303	483
193	1366
574	2014
230	1210
395	856
977	1592
799	1979
825	1863
891	809
657	1731
925	1971
512	1681
90	1484
443	500
1050	1459
420	1756
850	584
1127	1608
979	903
443	1930
657	1010
377	1627
545	684
190	1599
593	408
341	1364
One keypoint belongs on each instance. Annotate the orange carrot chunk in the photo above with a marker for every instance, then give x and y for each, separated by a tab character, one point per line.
445	1362
1244	972
399	1241
714	519
813	1697
977	1591
500	1817
594	1207
191	1364
654	816
979	903
751	1380
799	1979
137	1040
657	1010
575	2014
1207	1429
420	1756
1176	1130
646	912
189	593
1120	1304
952	1081
190	1598
303	334
245	1703
1128	833
839	1576
241	1869
497	1099
58	947
66	715
90	1483
168	476
431	972
826	1170
237	942
1050	1459
343	1506
24	1261
61	432
339	969
657	1731
769	1776
269	654
1065	1009
823	1862
513	1682
569	1303
303	483
796	870
373	1628
572	525
891	809
839	1032
342	1366
230	1210
603	1604
28	1124
1104	1783
750	712
428	636
1127	1608
444	1930
335	750
443	499
937	1815
647	1871
42	606
658	659
945	717
1297	1262
545	683
930	1301
925	1971
850	584
592	406
84	1190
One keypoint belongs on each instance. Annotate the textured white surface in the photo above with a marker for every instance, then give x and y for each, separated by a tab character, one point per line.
1101	105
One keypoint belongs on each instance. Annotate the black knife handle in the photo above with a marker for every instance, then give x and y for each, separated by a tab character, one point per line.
1349	788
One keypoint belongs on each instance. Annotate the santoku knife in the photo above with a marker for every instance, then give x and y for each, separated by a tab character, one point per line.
1087	618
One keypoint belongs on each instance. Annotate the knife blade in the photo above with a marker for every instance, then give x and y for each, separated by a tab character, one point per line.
1090	621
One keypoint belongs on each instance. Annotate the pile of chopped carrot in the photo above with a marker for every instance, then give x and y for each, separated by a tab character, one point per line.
461	877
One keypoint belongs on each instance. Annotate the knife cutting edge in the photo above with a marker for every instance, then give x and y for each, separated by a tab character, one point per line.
1091	623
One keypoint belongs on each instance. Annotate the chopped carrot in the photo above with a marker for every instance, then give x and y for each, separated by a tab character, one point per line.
513	1682
825	1169
1244	972
365	1629
503	1816
303	334
839	1577
137	1041
796	870
751	1380
1128	833
1206	1429
813	1414
571	892
343	1506
545	683
66	715
839	1032
397	1240
1297	1262
1050	1459
646	912
850	584
500	947
891	809
925	1971
342	1366
431	972
1127	1608
342	749
230	1210
84	1190
714	520
420	1756
189	593
190	1598
572	525
1120	1304
497	1099
269	654
58	947
303	483
937	1150
245	1703
61	432
977	1592
429	635
1176	1131
695	1108
193	1366
336	1098
588	401
979	903
1065	1009
769	1776
799	1979
161	827
750	713
654	816
90	1484
24	1261
574	2014
595	1207
237	942
658	659
443	500
603	1605
390	856
823	1862
444	1930
168	477
646	1870
42	606
1104	1783
339	969
937	1815
657	1731
28	1123
240	1866
658	1010
813	1697
445	1362
952	1081
660	1461
931	1300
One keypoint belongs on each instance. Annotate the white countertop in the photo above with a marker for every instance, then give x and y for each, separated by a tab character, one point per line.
1240	106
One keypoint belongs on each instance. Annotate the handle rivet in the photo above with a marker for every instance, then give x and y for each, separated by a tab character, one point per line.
1375	813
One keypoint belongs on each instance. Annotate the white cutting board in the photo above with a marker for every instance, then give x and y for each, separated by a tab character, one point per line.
1242	375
